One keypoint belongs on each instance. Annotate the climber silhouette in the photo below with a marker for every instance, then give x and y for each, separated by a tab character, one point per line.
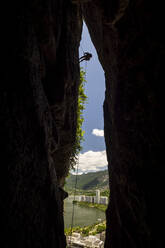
86	56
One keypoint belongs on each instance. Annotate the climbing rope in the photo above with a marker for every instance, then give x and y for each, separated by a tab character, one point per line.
77	167
75	188
85	70
82	49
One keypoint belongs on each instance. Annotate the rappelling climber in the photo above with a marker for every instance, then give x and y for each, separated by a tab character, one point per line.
86	56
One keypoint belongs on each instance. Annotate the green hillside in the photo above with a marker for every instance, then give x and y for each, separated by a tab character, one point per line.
89	181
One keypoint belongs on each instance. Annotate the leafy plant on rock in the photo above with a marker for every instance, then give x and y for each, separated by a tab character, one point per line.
80	119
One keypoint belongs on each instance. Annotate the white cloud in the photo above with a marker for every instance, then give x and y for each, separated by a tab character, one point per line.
92	161
98	132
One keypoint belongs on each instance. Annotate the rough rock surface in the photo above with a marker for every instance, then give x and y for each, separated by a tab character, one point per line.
129	41
38	96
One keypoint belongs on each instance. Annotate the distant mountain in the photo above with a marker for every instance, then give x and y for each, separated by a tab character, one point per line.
89	181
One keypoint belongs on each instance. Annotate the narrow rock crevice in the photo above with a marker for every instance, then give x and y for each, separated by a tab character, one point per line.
38	116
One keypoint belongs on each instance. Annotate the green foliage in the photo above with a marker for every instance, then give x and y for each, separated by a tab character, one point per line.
100	228
81	101
69	231
80	119
105	193
87	230
101	207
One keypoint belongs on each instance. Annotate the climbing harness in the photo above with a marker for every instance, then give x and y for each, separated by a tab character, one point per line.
87	56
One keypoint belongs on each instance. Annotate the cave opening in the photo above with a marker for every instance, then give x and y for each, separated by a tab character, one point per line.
40	74
88	185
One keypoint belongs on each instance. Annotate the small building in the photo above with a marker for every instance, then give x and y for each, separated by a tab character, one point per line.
83	198
88	198
104	200
97	196
93	199
78	197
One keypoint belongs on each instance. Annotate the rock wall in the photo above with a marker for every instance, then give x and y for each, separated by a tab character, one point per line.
129	41
38	98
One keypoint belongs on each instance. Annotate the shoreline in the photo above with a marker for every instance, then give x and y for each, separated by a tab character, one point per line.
93	229
100	207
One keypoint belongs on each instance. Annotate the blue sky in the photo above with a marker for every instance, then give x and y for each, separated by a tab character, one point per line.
93	155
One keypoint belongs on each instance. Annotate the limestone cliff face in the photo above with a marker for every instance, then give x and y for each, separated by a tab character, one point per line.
129	41
38	96
38	99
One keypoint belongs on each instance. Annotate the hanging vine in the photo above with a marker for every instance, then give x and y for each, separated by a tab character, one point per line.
82	98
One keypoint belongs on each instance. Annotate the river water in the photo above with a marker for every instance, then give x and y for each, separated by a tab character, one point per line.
83	216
